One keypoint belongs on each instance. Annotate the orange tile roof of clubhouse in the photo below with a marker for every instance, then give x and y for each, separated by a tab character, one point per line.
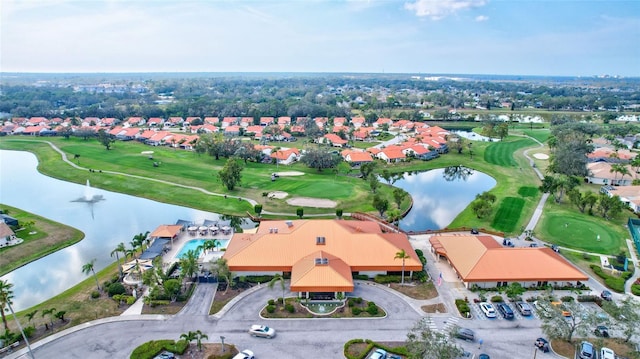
166	231
483	259
349	246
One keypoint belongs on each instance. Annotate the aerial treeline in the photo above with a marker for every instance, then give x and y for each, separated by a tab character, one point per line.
331	95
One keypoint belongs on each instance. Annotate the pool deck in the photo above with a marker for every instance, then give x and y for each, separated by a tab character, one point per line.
170	257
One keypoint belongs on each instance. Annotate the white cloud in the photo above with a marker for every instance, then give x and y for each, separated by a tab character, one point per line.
439	9
481	18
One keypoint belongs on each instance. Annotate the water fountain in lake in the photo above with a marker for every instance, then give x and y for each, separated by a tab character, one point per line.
89	196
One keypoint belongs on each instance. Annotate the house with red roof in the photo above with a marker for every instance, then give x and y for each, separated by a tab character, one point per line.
284	120
356	157
109	121
134	122
382	121
158	138
358	122
211	120
231	131
229	121
266	121
333	139
174	122
339	121
286	156
391	154
246	122
321	121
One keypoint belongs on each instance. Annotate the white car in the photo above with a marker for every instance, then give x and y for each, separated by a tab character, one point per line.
488	309
606	353
262	331
245	354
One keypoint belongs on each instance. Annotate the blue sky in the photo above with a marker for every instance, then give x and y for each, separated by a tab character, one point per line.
523	37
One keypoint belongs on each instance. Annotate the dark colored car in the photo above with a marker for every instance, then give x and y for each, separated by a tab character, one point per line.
606	295
505	310
601	331
466	334
542	344
484	356
475	231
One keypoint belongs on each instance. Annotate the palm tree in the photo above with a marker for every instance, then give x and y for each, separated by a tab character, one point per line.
208	245
221	270
60	315
6	294
278	278
30	315
119	249
89	268
199	336
402	255
50	312
189	263
188	337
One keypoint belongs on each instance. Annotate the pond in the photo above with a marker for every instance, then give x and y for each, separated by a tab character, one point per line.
106	218
439	195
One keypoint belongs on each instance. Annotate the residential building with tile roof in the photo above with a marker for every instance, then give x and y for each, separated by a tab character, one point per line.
483	262
320	255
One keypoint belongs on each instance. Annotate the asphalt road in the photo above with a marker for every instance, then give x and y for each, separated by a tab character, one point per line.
296	338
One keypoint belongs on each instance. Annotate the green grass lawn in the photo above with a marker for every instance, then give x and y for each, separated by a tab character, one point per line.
528	191
541	135
508	214
566	227
501	153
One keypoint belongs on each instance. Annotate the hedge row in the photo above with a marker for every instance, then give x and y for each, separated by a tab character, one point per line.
150	349
370	345
612	282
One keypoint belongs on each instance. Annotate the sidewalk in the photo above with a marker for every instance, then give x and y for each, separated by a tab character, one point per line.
136	308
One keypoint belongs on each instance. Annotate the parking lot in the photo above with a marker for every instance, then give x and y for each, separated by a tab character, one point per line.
479	315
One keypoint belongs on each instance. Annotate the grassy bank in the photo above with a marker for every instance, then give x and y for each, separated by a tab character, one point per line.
41	238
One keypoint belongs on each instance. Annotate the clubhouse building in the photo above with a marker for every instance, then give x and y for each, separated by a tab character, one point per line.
321	256
483	262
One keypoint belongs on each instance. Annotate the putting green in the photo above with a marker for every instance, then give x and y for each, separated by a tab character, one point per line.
583	233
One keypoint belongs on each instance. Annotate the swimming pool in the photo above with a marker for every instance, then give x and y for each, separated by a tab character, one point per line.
195	243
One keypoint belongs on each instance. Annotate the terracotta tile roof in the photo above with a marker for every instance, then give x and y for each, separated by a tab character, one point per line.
483	259
307	275
5	231
335	139
166	231
278	247
357	156
603	170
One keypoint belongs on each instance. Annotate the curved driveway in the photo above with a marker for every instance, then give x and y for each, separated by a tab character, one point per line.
296	338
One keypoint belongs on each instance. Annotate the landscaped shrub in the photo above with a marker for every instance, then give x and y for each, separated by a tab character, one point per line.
271	308
497	299
463	307
371	304
361	276
289	308
116	288
351	302
613	282
589	298
150	349
356	311
386	278
95	294
635	289
271	302
29	331
372	309
358	300
567	298
154	303
258	278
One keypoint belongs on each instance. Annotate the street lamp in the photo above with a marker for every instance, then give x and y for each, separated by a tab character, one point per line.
222	339
21	331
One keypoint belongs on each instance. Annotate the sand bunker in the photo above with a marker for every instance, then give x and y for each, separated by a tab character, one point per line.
541	156
278	194
289	173
312	202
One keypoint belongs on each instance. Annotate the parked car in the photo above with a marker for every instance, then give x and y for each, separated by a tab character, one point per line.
606	295
465	334
606	353
165	355
245	354
505	310
484	356
488	309
378	354
542	344
262	331
555	248
533	245
586	351
601	331
475	231
524	308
